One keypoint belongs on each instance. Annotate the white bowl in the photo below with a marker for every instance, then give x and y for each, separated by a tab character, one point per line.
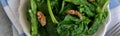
23	8
26	26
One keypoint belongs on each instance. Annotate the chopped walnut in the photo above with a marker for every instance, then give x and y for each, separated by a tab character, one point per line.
41	18
90	0
74	12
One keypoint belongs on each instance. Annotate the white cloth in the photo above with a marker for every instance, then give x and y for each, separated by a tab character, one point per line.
11	9
114	26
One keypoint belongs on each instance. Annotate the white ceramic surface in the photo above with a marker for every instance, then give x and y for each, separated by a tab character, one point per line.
22	16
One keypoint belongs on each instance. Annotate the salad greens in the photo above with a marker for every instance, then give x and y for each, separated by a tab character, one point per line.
34	23
59	23
50	12
72	26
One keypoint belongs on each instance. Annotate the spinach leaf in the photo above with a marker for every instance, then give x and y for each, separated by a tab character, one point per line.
49	29
99	19
87	8
47	7
68	25
76	2
101	2
72	26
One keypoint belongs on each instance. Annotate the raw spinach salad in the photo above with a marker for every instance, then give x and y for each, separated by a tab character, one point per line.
66	17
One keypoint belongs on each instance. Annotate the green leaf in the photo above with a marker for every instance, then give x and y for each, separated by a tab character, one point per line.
99	19
72	26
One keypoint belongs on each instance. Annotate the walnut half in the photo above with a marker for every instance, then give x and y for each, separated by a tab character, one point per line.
41	18
74	12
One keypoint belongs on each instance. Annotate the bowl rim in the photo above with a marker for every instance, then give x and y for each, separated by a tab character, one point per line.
109	19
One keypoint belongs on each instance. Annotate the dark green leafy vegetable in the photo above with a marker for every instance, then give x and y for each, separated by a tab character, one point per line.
34	22
62	8
72	26
59	23
48	30
99	18
97	22
50	12
84	4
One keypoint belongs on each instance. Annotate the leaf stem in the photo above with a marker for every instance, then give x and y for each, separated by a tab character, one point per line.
34	23
104	6
63	4
51	13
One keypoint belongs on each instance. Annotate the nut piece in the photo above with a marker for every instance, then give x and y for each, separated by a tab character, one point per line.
74	12
90	0
41	18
